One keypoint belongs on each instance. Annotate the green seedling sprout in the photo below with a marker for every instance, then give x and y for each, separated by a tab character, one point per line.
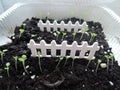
58	33
1	70
107	57
111	57
16	59
64	34
66	60
73	62
89	61
74	34
32	35
39	61
93	35
59	60
8	68
21	32
2	53
22	59
98	63
24	24
85	29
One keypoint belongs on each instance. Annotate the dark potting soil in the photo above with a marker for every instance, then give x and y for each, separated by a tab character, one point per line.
65	76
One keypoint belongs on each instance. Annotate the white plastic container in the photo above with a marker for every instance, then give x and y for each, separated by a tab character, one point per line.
96	12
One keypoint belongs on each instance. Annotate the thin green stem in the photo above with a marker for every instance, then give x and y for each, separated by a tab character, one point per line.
40	64
58	63
107	65
88	64
24	67
73	62
96	68
16	64
81	36
2	58
8	72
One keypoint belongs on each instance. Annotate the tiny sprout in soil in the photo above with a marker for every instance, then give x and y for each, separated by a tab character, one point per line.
8	68
98	63
21	32
74	34
2	53
15	58
22	59
59	60
64	34
89	61
111	57
85	29
107	57
66	60
93	35
39	62
58	33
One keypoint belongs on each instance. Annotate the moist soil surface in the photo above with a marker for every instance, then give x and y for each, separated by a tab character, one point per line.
70	73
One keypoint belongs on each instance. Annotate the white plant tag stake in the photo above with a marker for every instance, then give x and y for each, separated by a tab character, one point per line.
53	47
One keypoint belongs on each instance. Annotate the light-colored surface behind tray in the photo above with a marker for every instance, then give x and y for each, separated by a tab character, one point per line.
20	11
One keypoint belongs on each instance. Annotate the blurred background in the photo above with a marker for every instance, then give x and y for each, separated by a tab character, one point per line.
6	4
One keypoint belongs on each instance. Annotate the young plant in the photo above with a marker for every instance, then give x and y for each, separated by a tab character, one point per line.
111	57
16	59
107	57
24	24
73	62
64	34
8	68
21	32
93	35
22	59
58	33
2	53
59	60
89	61
98	63
66	60
85	29
74	34
39	61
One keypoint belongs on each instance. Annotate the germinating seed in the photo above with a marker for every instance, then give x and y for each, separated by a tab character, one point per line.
83	85
27	66
105	52
23	73
33	76
55	34
111	83
103	65
102	46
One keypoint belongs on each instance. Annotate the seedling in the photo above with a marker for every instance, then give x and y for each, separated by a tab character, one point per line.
111	57
107	57
59	60
8	68
58	33
73	62
74	34
64	34
89	62
16	59
39	61
93	35
66	60
24	24
98	63
32	35
22	59
21	32
2	53
1	70
85	29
